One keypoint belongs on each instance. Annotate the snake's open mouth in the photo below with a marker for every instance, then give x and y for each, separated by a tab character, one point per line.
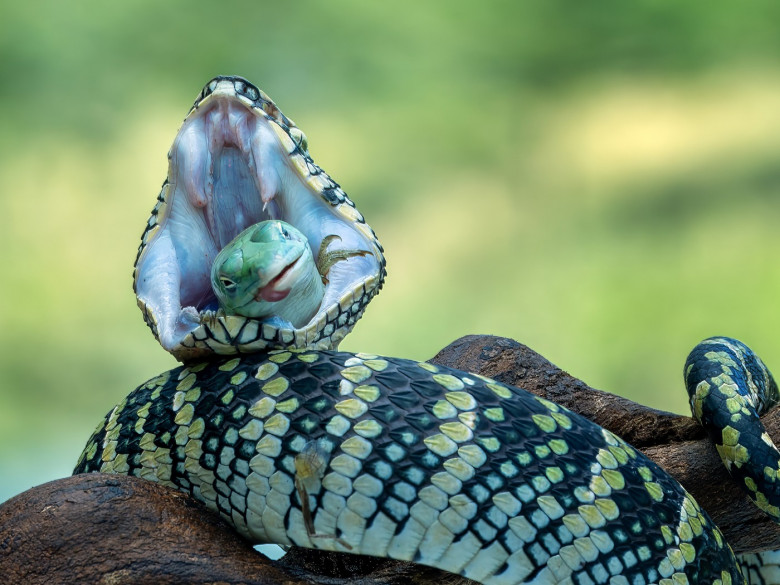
238	160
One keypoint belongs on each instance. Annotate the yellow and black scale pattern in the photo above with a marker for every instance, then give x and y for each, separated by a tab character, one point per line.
729	387
407	460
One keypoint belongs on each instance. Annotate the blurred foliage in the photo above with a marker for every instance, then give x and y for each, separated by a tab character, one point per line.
598	181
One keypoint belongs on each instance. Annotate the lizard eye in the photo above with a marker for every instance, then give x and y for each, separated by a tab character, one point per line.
285	233
227	283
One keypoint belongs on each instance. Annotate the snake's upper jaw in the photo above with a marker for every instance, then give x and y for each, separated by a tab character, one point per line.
238	160
227	165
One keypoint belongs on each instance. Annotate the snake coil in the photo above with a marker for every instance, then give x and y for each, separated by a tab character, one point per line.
382	456
729	388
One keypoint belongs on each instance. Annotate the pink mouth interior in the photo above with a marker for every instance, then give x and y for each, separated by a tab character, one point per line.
272	296
269	293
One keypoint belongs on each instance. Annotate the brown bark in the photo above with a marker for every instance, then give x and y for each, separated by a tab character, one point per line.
114	530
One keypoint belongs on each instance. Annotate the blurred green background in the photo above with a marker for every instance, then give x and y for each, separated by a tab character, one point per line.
597	180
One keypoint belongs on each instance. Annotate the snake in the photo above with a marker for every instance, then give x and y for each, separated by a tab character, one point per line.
294	442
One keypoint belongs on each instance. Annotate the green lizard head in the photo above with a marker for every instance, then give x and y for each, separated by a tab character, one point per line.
268	270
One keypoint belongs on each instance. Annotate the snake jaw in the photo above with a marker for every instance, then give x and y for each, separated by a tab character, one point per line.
195	161
238	160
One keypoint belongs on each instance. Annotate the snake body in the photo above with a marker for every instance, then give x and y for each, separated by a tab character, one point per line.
396	458
382	456
729	388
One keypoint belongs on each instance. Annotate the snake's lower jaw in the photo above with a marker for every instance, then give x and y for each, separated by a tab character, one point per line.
187	320
237	160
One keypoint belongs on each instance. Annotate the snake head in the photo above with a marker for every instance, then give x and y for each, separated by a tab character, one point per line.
236	161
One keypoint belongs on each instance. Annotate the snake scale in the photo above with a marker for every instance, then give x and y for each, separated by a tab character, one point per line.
294	442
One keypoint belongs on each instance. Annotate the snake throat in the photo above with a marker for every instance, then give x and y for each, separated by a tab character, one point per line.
237	160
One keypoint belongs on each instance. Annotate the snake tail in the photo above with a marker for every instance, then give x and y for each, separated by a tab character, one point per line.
729	388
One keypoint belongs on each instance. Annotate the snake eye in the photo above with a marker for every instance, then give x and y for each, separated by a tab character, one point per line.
227	283
285	233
